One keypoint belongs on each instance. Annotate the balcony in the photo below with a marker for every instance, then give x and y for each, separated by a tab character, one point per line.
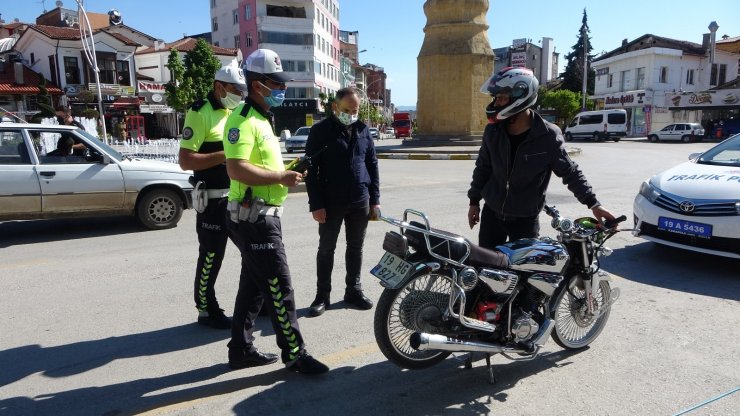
270	23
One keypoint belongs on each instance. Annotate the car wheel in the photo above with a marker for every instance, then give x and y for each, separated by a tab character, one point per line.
653	138
596	137
686	138
616	139
159	209
568	137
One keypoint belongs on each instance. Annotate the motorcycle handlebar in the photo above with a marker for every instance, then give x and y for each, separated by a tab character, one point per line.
613	223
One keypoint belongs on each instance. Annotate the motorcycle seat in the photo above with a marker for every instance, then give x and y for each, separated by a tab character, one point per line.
455	250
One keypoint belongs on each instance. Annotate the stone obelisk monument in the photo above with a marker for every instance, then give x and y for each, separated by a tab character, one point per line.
455	59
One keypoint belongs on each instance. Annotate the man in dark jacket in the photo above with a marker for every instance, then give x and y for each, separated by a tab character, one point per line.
519	153
343	186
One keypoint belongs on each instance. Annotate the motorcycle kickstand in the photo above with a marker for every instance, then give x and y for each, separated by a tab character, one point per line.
469	361
491	377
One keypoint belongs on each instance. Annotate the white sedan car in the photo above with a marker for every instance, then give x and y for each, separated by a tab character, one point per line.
695	205
63	172
297	142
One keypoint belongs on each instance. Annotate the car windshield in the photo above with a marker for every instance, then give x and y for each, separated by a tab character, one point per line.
97	142
726	153
303	131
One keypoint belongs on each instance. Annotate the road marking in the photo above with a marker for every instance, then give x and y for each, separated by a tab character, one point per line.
333	359
27	263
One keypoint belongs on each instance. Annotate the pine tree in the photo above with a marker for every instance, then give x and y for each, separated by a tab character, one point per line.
200	67
573	75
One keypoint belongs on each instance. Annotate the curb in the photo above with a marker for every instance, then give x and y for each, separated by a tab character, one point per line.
428	156
572	151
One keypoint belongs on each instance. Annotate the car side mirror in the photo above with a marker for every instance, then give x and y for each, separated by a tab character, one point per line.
105	159
694	156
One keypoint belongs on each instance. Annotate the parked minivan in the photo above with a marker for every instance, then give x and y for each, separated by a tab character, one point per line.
598	125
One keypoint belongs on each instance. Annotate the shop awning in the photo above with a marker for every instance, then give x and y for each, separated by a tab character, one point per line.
126	102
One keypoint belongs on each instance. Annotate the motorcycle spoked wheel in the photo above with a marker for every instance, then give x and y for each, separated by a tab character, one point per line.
574	328
413	307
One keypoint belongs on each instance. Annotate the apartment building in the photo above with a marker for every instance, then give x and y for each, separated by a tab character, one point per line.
305	34
660	81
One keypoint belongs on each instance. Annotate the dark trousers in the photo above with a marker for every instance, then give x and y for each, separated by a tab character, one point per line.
495	230
264	276
355	224
212	237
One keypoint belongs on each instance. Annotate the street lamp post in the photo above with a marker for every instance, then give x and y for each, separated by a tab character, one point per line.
88	45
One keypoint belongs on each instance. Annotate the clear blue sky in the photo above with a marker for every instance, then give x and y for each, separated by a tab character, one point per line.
392	30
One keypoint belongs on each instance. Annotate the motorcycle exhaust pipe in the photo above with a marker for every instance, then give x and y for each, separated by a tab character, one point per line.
423	341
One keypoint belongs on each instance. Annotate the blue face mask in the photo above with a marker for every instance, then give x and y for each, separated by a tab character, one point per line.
276	97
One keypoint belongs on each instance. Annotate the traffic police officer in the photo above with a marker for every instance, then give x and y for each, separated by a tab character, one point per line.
202	151
259	185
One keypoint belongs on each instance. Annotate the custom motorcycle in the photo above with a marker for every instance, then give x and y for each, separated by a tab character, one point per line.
444	294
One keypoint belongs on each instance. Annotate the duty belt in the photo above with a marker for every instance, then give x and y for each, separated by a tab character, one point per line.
217	193
238	212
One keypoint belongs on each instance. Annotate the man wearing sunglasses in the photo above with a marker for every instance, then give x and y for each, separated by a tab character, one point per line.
259	186
202	151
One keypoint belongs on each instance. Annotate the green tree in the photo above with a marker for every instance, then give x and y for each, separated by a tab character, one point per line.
200	67
573	75
43	100
565	103
179	90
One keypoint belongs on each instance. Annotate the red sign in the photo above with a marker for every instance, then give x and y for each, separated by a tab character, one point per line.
153	87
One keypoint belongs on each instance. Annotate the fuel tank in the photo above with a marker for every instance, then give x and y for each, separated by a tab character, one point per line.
536	255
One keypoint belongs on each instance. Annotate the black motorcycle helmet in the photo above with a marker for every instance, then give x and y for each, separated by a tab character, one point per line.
519	83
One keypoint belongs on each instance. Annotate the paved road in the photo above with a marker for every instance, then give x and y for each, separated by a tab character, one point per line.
97	319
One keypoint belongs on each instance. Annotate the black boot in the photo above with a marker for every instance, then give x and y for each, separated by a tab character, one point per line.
358	299
305	364
239	359
319	305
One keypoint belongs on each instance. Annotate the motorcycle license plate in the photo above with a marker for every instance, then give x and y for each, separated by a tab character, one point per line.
391	270
685	227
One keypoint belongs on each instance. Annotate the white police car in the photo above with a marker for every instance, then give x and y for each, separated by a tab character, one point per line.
695	205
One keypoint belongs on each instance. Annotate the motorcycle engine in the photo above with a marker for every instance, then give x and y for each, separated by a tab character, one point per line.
523	327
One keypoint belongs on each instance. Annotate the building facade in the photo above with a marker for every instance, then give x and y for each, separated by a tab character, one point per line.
643	77
305	34
541	59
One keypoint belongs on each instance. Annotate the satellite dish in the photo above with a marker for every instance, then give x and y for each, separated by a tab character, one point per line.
114	17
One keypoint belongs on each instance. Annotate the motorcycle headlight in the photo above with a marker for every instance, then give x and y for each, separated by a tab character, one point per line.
649	191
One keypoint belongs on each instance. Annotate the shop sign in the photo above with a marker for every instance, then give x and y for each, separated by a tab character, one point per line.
703	99
519	59
627	99
309	105
127	91
155	108
153	87
602	71
74	89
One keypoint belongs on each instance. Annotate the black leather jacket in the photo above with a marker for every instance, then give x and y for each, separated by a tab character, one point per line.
520	192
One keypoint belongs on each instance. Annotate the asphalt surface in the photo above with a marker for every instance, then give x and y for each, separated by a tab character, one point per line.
98	318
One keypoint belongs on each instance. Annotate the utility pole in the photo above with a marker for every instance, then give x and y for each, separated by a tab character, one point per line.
585	66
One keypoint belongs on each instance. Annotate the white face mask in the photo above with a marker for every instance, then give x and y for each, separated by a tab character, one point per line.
346	118
231	100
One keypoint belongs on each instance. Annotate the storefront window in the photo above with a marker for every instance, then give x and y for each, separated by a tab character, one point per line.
638	125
